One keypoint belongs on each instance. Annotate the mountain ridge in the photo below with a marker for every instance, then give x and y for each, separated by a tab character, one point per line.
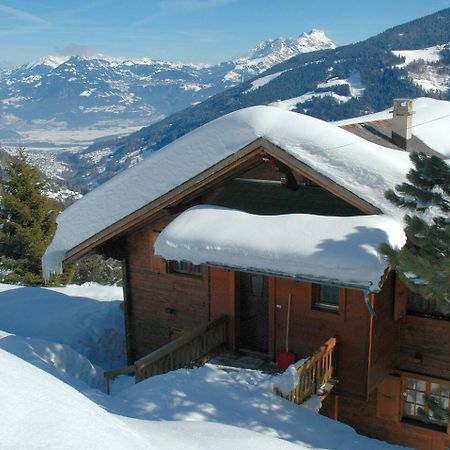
331	84
98	91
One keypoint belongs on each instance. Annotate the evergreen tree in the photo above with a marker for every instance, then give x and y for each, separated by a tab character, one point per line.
424	263
99	270
27	222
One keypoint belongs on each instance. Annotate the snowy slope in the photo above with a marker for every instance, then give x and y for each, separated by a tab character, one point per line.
311	247
426	68
364	168
69	316
187	409
431	122
40	412
210	394
355	89
59	360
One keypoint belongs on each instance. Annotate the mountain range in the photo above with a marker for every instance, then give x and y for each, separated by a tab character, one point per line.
102	92
310	75
409	60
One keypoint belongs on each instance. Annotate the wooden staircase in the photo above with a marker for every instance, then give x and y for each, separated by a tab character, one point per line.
315	375
194	347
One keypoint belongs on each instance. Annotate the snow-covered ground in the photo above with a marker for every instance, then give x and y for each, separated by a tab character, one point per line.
427	75
51	395
262	81
291	103
356	88
86	318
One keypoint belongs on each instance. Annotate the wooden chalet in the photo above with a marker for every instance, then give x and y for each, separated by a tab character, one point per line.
386	349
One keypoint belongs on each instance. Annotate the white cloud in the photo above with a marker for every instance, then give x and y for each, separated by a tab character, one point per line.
22	16
76	49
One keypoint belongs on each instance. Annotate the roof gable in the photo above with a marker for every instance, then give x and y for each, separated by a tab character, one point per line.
358	170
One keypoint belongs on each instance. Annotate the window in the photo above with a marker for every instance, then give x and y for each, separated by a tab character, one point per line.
184	267
257	285
418	305
326	297
426	401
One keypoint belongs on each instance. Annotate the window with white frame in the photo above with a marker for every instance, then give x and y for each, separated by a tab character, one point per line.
427	401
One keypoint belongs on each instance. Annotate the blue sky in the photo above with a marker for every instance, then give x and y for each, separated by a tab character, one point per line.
197	31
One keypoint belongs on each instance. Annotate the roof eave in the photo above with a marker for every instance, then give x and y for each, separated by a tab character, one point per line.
216	173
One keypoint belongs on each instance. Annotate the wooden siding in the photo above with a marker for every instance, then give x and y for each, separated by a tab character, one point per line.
311	327
222	288
362	415
384	335
424	346
163	304
268	198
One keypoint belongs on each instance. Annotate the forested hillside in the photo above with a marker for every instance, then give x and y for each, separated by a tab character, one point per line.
330	84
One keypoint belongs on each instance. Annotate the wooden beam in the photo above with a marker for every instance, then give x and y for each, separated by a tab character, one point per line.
149	212
323	181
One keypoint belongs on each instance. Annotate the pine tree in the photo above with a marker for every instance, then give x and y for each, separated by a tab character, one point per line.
424	263
27	222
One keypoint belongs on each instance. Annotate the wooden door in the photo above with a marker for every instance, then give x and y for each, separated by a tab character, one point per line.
253	312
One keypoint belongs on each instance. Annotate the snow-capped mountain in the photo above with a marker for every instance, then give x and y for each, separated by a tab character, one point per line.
274	51
70	92
330	84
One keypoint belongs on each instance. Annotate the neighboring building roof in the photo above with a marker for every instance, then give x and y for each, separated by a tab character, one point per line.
380	132
338	250
431	122
363	168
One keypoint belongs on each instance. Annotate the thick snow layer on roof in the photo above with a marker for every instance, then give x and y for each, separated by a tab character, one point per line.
362	167
431	122
341	250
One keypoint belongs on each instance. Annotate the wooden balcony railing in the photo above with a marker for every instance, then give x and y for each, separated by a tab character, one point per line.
196	346
315	375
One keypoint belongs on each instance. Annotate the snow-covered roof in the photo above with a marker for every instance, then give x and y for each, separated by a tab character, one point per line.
363	168
431	122
293	245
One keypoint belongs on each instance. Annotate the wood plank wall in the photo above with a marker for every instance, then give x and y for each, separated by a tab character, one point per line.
425	346
310	328
362	415
384	346
162	305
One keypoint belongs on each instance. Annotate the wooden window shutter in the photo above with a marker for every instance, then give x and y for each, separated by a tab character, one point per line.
389	397
157	264
400	298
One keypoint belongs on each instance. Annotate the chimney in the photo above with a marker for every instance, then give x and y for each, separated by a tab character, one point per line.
402	122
